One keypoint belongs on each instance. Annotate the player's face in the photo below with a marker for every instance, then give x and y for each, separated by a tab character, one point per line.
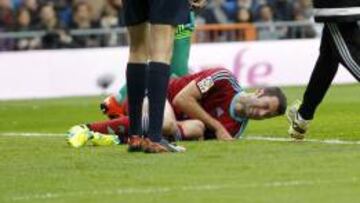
256	106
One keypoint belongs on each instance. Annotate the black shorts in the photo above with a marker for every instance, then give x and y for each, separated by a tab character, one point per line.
168	12
341	43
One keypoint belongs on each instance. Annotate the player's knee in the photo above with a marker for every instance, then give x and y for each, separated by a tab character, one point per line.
169	127
193	130
199	128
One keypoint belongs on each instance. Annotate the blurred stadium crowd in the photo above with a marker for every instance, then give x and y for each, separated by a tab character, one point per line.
57	17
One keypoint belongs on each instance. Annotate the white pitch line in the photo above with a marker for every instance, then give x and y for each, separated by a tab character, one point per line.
32	134
162	190
280	139
249	137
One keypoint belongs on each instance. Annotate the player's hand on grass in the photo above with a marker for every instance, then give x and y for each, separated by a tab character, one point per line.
223	134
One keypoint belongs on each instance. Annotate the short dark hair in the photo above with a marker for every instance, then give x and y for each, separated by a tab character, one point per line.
278	93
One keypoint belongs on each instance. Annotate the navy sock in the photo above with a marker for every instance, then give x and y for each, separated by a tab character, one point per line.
159	74
136	77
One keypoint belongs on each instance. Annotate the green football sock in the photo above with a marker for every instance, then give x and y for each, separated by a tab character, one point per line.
180	59
122	94
181	50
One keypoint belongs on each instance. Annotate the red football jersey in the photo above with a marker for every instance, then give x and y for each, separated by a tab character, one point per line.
218	87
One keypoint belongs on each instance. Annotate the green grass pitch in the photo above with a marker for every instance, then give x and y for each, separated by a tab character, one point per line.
45	169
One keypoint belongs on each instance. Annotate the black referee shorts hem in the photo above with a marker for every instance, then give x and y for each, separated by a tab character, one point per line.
163	12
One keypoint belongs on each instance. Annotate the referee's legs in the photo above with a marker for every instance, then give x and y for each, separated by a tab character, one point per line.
136	75
161	46
321	77
340	43
346	36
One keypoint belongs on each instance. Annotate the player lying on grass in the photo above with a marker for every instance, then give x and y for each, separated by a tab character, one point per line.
206	105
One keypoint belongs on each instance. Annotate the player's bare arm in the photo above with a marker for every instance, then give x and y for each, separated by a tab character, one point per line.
187	100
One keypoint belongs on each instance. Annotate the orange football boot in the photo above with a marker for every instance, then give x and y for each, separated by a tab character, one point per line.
135	143
111	108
